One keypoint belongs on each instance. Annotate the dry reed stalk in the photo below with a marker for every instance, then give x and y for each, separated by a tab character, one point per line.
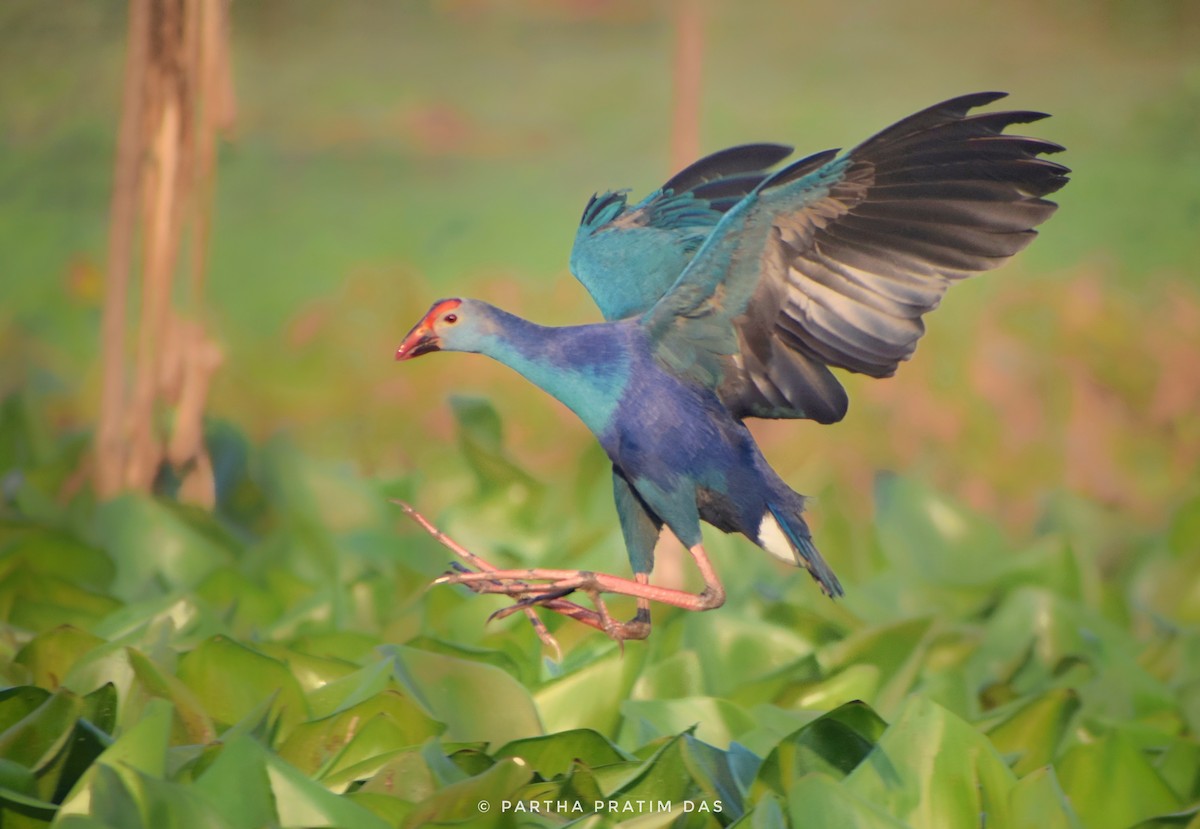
686	83
177	95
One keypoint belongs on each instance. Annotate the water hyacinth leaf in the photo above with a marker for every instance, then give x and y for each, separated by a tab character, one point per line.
833	744
856	682
50	552
18	702
405	776
314	745
590	696
143	748
1033	732
678	674
714	772
927	536
351	689
466	696
152	546
230	680
237	784
1112	784
817	801
461	801
715	721
311	672
40	602
664	776
50	655
164	803
553	755
36	739
930	768
302	802
193	725
1038	800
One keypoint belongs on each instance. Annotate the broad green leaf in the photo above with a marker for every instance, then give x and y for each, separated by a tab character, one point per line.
143	748
590	697
193	723
302	802
405	776
237	785
152	546
312	672
1033	732
351	689
554	754
50	552
716	721
18	702
461	801
930	768
51	654
230	680
316	744
160	803
856	682
1112	784
1038	800
247	606
34	740
466	696
40	602
816	801
833	744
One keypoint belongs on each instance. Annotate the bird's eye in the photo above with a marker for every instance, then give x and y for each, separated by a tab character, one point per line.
450	319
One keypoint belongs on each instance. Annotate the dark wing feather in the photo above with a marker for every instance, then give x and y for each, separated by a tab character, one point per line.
834	262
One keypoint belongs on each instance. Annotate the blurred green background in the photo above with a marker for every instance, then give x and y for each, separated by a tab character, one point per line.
1024	590
390	154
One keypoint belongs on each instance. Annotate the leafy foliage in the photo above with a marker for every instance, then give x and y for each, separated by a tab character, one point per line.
281	663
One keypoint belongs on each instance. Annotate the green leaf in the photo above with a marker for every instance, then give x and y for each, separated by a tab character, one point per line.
36	739
1112	783
341	739
715	721
237	785
193	723
833	744
816	801
1033	732
553	755
932	769
230	680
1038	800
51	654
152	546
461	801
467	696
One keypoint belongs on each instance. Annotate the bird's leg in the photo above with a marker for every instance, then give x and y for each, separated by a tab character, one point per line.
563	582
557	605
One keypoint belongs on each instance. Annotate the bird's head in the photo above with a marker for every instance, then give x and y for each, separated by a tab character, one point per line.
450	325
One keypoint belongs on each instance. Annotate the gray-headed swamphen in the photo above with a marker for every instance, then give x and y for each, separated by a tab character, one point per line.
730	293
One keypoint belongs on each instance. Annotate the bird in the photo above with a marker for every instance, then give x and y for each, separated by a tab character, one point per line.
732	292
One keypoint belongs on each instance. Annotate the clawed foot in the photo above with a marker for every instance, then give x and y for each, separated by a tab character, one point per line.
528	595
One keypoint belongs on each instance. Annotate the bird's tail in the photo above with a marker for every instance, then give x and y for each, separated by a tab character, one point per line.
788	527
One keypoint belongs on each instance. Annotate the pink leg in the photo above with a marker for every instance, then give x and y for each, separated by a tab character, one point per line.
517	583
566	608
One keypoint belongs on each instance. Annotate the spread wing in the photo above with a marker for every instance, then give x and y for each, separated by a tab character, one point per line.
835	266
629	256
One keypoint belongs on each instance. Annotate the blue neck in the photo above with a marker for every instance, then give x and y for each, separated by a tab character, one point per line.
585	367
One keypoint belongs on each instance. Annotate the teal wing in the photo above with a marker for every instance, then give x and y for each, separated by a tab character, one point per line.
629	256
835	264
